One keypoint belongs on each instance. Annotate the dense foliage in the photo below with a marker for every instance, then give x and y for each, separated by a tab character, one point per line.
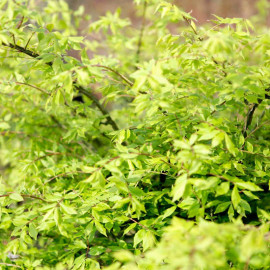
148	150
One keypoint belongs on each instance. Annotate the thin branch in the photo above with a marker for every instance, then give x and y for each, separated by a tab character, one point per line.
20	23
51	154
11	265
25	47
191	26
23	50
97	103
258	127
117	73
146	228
33	86
141	33
249	118
25	195
78	87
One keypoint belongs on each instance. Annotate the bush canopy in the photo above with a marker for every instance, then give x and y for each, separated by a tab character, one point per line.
133	145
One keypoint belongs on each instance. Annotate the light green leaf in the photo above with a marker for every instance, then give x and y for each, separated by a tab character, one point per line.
16	197
169	212
33	231
67	209
100	228
235	197
179	187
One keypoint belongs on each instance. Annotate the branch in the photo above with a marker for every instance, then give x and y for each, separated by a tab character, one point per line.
25	195
97	103
193	29
141	33
78	87
11	265
117	73
250	114
132	219
33	86
258	127
249	118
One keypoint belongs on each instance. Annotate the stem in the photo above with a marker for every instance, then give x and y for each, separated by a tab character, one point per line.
138	223
141	33
249	117
97	103
258	127
33	86
10	264
78	87
117	73
25	195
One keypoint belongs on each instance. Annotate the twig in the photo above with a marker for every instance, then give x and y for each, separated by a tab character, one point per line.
141	33
146	228
29	40
249	118
100	107
250	114
258	127
193	29
78	87
25	195
33	86
117	73
11	265
20	23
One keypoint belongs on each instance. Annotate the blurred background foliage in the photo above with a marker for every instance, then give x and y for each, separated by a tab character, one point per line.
202	10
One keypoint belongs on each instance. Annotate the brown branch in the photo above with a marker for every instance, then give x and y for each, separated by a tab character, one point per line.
78	87
258	127
249	118
33	86
23	50
29	40
20	23
25	195
193	29
146	228
141	33
51	154
97	103
124	78
250	114
10	264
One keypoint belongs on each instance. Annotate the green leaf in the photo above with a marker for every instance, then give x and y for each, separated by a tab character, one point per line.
50	27
149	240
235	197
249	186
16	197
223	188
217	139
100	228
129	228
139	236
33	231
222	207
169	212
67	209
229	144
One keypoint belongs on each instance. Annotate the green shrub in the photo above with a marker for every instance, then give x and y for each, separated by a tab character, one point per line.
168	121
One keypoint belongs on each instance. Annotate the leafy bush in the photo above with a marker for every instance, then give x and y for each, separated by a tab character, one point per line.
168	121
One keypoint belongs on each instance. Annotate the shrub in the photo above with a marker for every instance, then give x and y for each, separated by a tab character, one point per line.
100	152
